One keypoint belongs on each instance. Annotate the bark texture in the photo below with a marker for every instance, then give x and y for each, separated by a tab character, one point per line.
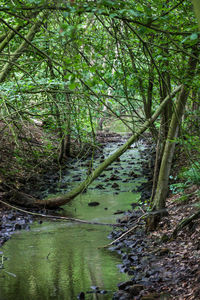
196	4
8	37
165	168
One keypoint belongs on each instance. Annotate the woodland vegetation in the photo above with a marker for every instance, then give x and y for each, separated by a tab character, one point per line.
67	66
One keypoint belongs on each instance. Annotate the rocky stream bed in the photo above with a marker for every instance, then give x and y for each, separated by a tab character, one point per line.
154	267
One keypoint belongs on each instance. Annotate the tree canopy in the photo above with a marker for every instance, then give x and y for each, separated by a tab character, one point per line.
70	64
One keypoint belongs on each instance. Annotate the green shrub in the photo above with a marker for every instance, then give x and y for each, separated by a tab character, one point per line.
178	187
192	174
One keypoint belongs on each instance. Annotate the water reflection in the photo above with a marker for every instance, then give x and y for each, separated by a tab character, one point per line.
58	261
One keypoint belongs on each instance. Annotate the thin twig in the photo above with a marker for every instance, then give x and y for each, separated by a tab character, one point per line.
58	217
125	233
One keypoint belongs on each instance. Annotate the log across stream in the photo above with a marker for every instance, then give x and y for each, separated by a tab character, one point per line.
59	260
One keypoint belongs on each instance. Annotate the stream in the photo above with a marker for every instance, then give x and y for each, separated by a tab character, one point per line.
59	260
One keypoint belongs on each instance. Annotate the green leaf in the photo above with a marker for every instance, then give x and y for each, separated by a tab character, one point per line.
65	14
93	69
113	15
194	36
122	11
72	85
134	13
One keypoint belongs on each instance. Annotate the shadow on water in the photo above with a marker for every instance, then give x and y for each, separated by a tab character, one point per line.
58	260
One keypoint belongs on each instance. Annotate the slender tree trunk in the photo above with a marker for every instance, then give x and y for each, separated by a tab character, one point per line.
165	168
165	89
24	45
9	37
196	4
67	145
147	99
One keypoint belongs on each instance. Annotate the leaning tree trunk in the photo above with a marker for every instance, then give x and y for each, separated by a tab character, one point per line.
166	163
8	37
61	200
21	49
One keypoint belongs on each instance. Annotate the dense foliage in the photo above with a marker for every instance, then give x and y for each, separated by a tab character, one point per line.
71	65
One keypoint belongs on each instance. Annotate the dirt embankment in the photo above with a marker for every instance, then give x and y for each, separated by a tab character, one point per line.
161	264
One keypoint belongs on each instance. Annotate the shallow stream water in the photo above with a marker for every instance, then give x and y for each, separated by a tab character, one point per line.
58	260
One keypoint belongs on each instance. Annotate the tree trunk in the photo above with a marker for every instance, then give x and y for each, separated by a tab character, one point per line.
165	89
196	4
67	146
61	200
165	168
24	45
8	37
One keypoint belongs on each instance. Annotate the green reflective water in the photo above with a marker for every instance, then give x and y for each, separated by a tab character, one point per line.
58	260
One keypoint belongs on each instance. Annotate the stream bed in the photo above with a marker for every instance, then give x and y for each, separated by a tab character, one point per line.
63	260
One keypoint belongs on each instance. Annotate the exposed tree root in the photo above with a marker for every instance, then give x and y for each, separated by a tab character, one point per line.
184	223
19	198
154	218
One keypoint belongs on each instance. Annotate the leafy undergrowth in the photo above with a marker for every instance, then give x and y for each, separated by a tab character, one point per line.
28	150
25	151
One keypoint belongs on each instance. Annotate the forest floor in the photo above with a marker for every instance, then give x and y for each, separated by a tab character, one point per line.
161	267
162	264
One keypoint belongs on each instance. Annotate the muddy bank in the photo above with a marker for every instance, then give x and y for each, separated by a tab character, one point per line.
12	220
160	267
141	260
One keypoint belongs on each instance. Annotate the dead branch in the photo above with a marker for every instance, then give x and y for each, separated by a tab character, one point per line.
185	222
128	231
57	217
